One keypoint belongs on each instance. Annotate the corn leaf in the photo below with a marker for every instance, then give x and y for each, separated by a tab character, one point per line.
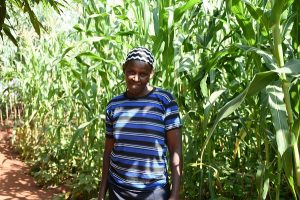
259	82
292	67
207	107
182	9
2	13
33	18
279	117
10	36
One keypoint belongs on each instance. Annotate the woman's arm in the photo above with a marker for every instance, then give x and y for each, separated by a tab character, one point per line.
175	148
109	144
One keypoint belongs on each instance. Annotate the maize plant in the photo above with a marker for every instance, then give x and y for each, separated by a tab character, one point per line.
232	65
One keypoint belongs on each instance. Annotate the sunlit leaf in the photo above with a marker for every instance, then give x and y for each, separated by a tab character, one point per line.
180	11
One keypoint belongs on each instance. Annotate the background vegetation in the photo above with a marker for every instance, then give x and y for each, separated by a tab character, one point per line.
232	65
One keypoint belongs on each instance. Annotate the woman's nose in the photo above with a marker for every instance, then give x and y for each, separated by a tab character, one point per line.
136	77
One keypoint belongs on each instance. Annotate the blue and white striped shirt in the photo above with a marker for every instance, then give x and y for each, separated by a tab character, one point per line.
139	127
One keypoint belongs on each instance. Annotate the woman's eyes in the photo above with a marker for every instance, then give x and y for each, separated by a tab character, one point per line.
130	73
133	73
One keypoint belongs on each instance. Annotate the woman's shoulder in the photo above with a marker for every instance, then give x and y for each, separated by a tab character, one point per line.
115	100
119	97
164	94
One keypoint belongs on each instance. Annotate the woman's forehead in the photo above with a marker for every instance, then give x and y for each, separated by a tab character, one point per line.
137	64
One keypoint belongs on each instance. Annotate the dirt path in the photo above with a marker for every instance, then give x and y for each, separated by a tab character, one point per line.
15	181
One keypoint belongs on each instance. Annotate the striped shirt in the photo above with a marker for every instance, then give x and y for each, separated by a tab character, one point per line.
139	126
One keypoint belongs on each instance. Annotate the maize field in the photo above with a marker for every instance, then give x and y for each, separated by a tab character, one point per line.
232	65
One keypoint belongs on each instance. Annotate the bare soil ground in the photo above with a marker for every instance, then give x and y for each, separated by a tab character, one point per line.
15	181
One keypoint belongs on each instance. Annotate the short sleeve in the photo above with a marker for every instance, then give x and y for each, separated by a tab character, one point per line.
172	117
109	124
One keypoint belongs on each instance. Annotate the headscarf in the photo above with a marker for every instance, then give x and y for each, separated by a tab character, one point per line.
142	54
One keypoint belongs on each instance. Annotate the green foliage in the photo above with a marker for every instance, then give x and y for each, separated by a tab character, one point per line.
233	71
26	7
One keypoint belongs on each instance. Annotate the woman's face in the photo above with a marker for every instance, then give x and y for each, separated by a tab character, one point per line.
137	76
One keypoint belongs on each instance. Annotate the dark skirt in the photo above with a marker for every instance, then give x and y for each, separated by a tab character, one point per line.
118	193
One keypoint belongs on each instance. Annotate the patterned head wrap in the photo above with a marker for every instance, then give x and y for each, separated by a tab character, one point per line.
141	54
